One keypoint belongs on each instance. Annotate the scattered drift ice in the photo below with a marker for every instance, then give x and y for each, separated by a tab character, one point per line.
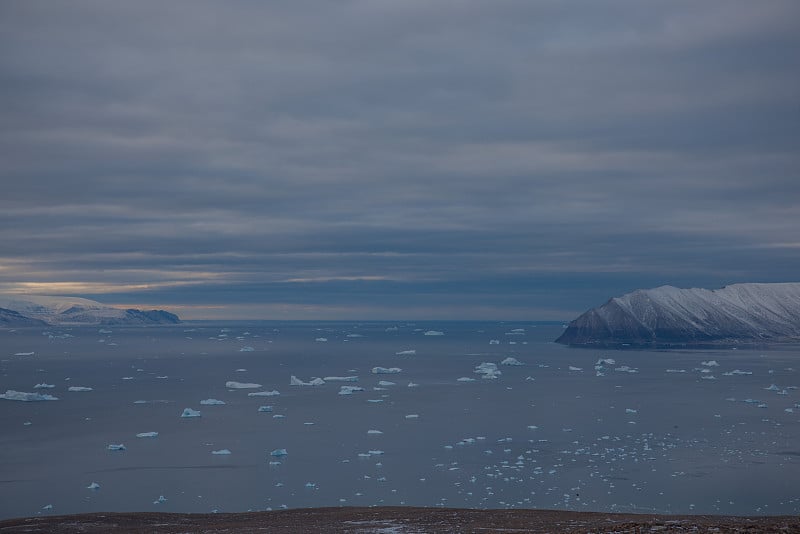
26	397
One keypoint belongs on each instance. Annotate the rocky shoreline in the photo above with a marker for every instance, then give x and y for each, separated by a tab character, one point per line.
397	520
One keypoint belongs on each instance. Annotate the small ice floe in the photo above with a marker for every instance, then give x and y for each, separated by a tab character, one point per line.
188	412
230	384
494	342
321	339
47	507
116	447
573	368
375	453
212	402
78	388
147	435
625	369
708	377
294	381
341	379
93	486
511	361
23	396
710	363
737	372
43	386
375	401
410	352
412	385
247	349
532	427
386	383
631	410
605	361
278	453
488	370
349	390
24	354
127	378
265	409
773	387
676	370
386	370
433	333
221	452
241	370
161	499
273	393
279	416
412	416
465	379
353	335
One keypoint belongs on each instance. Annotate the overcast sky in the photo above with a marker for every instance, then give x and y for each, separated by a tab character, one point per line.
396	159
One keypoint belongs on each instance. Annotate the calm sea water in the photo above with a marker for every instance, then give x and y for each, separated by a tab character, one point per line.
673	432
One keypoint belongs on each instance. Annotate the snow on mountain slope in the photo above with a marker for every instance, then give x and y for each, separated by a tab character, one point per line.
666	314
73	310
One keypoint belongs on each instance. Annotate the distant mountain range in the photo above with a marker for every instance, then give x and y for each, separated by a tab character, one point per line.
668	316
39	310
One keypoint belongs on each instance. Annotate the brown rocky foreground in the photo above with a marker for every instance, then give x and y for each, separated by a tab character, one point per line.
397	520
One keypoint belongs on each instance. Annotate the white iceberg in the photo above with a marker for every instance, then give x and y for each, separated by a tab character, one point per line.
43	386
406	352
147	435
511	361
631	410
277	453
26	397
341	379
433	333
386	383
273	393
465	379
188	412
573	368
246	349
710	363
494	342
374	432
221	452
265	409
412	416
606	361
116	447
349	390
93	486
386	370
212	402
78	388
487	370
241	385
294	381
24	354
412	385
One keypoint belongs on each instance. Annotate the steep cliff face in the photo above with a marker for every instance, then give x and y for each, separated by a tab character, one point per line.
766	312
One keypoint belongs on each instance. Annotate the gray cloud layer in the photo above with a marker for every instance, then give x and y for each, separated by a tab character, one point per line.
445	159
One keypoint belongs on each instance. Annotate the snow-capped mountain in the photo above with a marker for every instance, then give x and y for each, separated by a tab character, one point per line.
669	315
10	318
76	311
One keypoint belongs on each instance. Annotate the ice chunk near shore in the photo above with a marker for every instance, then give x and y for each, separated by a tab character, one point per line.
116	447
23	396
161	499
294	381
78	388
341	379
241	385
410	352
188	412
277	453
273	393
147	435
43	385
221	452
212	402
433	333
349	390
511	361
386	370
93	486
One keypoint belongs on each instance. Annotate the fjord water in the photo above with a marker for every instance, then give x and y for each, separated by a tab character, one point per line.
650	432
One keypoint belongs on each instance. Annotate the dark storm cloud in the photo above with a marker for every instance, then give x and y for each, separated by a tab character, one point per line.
444	156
